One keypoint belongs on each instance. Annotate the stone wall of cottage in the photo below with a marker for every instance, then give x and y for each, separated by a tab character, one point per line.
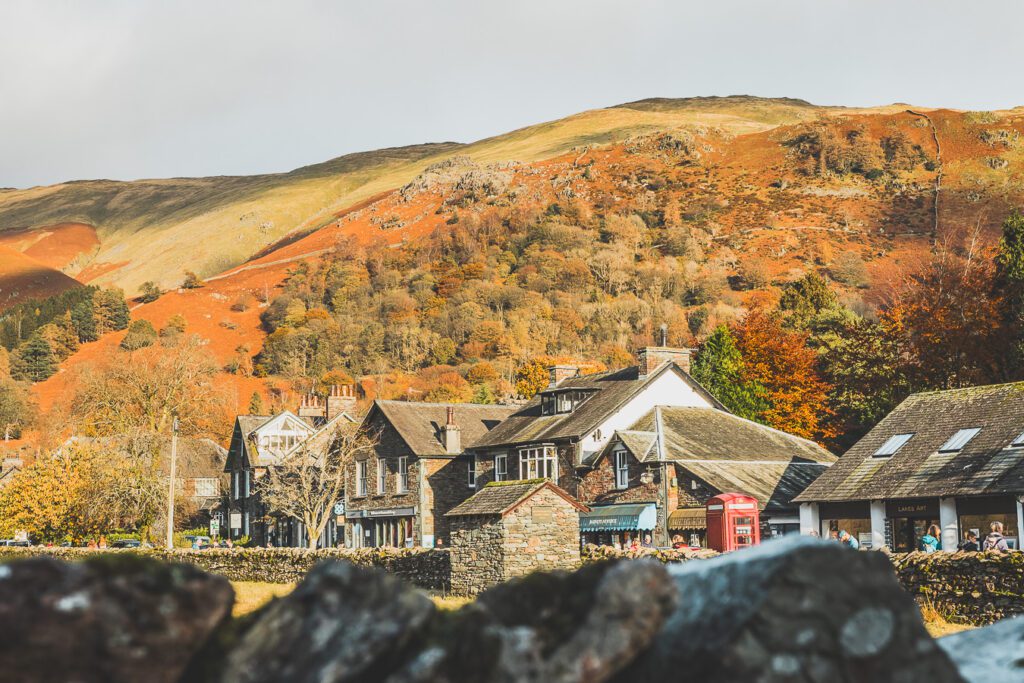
477	551
598	485
448	480
541	533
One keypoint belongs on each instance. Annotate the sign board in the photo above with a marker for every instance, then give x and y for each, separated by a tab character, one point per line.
236	520
543	514
215	527
339	508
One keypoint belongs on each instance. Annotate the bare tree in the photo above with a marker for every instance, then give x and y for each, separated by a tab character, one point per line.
310	479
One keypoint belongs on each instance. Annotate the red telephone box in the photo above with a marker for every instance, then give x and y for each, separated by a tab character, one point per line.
734	522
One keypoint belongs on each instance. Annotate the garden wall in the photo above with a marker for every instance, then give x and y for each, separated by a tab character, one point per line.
426	568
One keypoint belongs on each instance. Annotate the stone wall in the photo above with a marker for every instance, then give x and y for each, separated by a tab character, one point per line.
541	533
426	568
477	553
967	588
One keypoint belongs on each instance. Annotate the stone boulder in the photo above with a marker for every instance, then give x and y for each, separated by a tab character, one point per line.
796	609
990	654
112	619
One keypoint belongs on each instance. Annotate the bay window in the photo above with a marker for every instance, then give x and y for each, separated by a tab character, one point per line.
539	463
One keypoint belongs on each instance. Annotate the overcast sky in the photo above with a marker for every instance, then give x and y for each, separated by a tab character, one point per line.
133	89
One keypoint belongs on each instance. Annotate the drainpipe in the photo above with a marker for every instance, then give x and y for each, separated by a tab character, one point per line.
664	474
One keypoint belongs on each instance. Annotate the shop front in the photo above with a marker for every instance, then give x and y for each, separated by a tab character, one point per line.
907	522
691	524
854	518
618	525
385	528
977	514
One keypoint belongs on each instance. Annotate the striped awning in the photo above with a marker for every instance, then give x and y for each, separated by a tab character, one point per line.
688	518
619	518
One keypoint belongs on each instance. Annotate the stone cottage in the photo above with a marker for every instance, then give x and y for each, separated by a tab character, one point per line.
512	528
419	471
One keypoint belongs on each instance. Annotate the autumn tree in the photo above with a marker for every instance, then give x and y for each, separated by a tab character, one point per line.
192	281
781	362
1009	283
311	479
256	404
34	360
149	292
719	368
16	407
141	334
110	310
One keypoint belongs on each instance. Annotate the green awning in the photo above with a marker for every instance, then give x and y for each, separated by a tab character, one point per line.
619	518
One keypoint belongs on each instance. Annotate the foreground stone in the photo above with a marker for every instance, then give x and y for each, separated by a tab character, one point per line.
990	654
797	609
108	620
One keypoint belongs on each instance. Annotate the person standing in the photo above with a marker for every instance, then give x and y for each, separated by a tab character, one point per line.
930	541
846	539
970	544
995	540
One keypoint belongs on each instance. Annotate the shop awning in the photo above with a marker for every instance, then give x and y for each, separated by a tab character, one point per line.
688	518
619	518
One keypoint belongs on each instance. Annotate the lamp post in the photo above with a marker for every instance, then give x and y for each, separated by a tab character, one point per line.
170	486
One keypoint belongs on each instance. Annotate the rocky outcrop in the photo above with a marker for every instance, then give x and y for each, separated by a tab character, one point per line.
988	655
108	620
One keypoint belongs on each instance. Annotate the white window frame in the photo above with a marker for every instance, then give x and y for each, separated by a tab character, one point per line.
207	487
539	462
471	472
621	463
361	488
501	467
382	476
893	445
402	484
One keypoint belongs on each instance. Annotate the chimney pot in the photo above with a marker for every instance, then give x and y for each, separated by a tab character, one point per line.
560	373
339	401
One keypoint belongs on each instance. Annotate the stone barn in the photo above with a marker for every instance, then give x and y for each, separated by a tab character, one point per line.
512	528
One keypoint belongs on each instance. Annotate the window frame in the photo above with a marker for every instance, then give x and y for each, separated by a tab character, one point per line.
209	484
361	471
402	482
884	452
539	462
1018	441
961	436
501	473
621	468
382	476
471	472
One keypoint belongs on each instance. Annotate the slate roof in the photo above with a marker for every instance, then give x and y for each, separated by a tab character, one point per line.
420	424
614	388
729	453
499	498
986	465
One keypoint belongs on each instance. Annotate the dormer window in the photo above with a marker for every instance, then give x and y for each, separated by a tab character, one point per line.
891	445
562	402
959	440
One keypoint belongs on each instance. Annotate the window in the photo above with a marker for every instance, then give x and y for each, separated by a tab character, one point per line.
382	475
403	474
207	487
562	401
245	483
959	440
539	463
621	470
234	485
471	473
361	478
1018	442
501	467
892	444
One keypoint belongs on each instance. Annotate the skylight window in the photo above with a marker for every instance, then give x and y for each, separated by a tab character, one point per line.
959	440
892	444
1018	442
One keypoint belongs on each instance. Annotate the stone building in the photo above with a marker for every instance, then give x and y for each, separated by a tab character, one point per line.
259	442
418	472
953	458
510	529
658	475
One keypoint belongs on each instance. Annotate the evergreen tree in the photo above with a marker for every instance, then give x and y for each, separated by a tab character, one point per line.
149	292
141	334
1009	281
256	404
111	310
805	299
719	369
482	393
83	319
34	360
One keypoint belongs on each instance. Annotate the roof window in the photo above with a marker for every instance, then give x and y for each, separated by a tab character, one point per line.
1018	442
892	444
959	440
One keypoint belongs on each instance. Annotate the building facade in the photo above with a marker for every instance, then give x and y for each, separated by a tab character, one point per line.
953	458
419	470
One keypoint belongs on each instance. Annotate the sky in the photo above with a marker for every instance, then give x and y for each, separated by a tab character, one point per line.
146	89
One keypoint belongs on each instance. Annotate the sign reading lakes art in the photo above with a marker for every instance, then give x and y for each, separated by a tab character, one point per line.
912	508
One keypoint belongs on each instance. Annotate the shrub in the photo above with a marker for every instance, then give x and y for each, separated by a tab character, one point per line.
141	334
192	281
149	292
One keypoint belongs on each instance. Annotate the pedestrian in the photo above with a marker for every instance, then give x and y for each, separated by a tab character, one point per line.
833	534
103	543
846	539
930	541
634	545
648	543
229	544
677	542
995	540
92	544
970	544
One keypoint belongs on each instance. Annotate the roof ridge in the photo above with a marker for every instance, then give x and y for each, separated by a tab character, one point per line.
391	401
976	387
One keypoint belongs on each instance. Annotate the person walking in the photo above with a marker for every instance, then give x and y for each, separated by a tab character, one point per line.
970	544
995	539
846	539
930	541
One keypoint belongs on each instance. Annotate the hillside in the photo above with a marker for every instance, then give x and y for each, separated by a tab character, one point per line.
148	228
607	224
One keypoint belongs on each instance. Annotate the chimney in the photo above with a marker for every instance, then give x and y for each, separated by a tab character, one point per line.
310	406
451	436
560	373
341	399
653	357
